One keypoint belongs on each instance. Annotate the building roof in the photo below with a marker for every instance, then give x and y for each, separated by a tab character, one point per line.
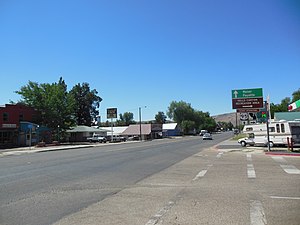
288	116
134	129
169	126
82	129
116	130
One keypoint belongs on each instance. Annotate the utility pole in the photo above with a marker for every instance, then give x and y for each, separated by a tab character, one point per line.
140	115
268	132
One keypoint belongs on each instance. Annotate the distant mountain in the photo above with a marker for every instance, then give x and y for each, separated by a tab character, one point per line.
227	117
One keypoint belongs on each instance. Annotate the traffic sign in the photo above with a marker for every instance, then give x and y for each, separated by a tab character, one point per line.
247	103
247	110
247	93
244	116
111	113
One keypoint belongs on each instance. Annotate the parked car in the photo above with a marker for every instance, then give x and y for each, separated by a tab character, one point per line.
97	138
133	138
246	141
207	136
116	138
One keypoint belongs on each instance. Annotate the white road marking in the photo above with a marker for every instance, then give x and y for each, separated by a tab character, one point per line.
249	157
288	198
220	154
251	171
257	214
200	174
290	169
160	213
279	159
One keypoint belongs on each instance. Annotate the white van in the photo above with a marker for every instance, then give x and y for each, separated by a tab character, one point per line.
202	132
279	133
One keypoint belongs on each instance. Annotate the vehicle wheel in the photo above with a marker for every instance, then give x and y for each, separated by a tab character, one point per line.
243	144
271	144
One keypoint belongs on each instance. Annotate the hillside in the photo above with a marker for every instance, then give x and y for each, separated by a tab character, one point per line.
227	117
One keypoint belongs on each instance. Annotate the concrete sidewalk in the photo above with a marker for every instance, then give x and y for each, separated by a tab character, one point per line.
232	145
34	149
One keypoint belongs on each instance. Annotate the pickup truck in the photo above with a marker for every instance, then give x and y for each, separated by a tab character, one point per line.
97	138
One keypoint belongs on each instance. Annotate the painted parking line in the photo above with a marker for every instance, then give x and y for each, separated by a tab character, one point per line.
200	174
257	214
249	157
250	171
220	155
290	169
286	198
279	159
160	213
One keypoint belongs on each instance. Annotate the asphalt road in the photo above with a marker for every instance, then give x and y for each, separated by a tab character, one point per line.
43	188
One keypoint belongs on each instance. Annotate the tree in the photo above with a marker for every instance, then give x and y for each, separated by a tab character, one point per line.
296	95
160	118
180	111
53	102
125	119
190	119
282	107
187	126
86	104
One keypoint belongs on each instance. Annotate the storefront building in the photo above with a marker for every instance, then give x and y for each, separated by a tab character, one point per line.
11	116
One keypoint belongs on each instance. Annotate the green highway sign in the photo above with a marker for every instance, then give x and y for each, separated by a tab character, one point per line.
247	93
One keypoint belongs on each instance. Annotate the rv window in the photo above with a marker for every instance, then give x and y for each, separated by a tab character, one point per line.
277	128
249	129
272	129
251	135
282	128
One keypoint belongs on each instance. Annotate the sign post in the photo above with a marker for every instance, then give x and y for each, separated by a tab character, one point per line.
111	114
249	101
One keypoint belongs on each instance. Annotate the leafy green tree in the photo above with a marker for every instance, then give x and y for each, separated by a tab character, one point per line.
160	118
189	118
296	95
86	104
282	107
180	111
187	126
126	119
53	102
210	124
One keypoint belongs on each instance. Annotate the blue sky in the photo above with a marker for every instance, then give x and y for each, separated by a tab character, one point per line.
139	53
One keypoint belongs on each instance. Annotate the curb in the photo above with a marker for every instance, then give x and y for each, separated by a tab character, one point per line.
283	153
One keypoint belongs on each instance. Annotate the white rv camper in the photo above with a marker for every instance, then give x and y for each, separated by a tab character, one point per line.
279	133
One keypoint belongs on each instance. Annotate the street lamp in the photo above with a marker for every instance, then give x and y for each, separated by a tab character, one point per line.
140	117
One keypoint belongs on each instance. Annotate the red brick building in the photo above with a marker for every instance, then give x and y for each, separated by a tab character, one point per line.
10	117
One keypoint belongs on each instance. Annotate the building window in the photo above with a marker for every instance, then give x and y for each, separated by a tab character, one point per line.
5	117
